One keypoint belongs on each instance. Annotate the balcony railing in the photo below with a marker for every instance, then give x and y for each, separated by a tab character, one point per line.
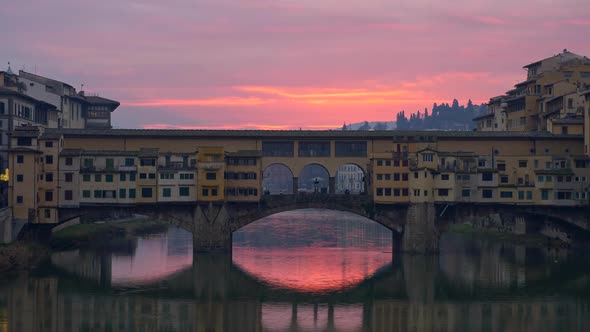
123	168
211	165
176	166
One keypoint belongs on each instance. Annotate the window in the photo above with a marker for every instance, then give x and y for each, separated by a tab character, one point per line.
506	194
143	176
465	193
379	191
425	192
314	149
88	162
20	159
444	177
379	176
563	195
395	192
151	176
49	159
166	192
387	191
504	179
540	178
69	177
97	177
187	176
24	141
404	176
481	163
146	192
122	177
278	149
19	199
205	192
213	192
131	193
428	157
147	162
379	162
183	191
69	195
568	74
487	193
19	178
98	194
69	161
487	176
211	176
108	178
548	178
417	192
132	177
110	163
443	192
415	175
388	163
86	193
529	195
49	196
47	213
396	163
86	177
522	163
166	176
122	193
129	162
564	130
351	149
544	194
388	176
49	177
405	192
501	166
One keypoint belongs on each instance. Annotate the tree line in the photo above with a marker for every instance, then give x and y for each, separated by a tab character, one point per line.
441	117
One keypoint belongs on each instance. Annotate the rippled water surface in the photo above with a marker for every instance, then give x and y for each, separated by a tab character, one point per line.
306	270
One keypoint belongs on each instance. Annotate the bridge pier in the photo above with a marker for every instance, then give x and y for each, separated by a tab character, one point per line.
212	232
420	235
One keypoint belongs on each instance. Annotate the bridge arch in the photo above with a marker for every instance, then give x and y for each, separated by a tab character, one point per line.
314	178
350	178
277	179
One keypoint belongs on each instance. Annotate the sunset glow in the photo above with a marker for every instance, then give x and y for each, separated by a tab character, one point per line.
286	64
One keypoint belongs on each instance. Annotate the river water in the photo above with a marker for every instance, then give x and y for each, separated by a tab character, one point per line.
306	270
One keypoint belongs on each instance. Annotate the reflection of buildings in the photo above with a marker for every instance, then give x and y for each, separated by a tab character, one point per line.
350	177
39	305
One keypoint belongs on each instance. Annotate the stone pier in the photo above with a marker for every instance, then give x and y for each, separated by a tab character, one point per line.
212	232
420	235
5	226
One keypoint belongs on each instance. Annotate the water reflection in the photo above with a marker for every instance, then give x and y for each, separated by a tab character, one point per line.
474	285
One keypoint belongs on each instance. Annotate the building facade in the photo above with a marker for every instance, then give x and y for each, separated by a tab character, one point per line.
55	170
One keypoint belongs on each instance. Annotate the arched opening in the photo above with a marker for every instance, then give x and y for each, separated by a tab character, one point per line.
314	178
277	179
350	179
312	250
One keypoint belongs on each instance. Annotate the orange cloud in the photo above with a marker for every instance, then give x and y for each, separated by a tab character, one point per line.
226	101
324	93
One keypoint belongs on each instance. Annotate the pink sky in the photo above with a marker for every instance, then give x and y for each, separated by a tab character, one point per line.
286	63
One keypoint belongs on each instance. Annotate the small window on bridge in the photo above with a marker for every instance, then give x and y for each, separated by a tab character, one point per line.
278	149
351	149
314	149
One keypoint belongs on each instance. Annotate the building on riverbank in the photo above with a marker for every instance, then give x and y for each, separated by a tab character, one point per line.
550	99
60	170
28	99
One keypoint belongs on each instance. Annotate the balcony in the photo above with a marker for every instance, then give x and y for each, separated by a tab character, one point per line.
211	165
124	168
176	167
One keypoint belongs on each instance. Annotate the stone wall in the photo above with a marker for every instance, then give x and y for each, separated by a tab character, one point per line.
420	233
5	226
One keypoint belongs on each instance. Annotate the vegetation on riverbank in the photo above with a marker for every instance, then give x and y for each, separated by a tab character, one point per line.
96	234
532	240
17	256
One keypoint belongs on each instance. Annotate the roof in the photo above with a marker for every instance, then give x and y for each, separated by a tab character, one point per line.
393	135
547	115
525	82
21	149
565	52
50	136
569	121
458	154
245	153
95	100
25	132
487	115
71	152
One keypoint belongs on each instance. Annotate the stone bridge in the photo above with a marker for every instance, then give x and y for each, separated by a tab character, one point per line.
212	224
415	226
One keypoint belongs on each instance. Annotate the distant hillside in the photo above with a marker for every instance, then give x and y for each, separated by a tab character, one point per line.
370	125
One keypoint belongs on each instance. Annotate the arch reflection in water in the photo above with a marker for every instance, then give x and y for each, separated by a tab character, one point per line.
315	251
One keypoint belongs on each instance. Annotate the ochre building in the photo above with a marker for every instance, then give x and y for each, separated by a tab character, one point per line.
53	170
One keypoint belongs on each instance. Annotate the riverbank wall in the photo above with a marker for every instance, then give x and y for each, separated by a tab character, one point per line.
5	226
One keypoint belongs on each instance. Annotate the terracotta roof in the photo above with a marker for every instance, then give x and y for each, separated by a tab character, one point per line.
148	152
569	121
487	115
